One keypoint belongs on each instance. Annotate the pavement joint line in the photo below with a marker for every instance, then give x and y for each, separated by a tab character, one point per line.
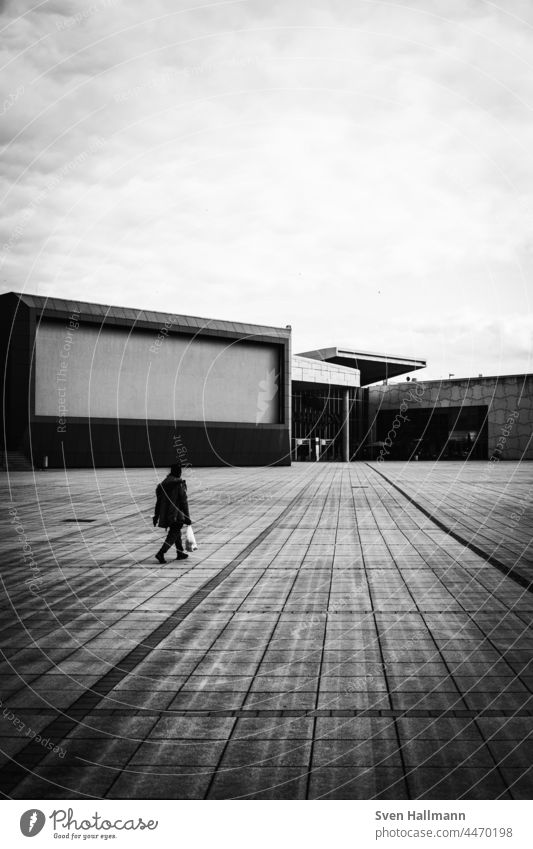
456	713
266	713
329	582
59	728
509	571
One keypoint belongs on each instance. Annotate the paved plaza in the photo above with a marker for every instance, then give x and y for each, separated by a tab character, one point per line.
345	631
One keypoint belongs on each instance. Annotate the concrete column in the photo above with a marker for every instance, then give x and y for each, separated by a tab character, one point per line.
346	426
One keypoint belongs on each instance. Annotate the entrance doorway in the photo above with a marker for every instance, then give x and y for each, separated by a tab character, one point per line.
318	422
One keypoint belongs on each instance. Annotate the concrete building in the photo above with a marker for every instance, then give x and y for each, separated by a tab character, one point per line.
92	385
329	402
476	418
86	384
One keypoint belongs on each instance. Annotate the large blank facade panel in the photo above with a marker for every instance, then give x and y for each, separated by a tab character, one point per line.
114	373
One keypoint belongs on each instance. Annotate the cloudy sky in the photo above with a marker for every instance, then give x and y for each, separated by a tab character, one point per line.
358	169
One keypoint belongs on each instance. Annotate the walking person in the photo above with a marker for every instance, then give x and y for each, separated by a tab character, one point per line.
172	512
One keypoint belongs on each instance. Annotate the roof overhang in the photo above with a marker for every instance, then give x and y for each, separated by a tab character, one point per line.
101	314
373	367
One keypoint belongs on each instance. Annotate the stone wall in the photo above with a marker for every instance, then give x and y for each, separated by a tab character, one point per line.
509	399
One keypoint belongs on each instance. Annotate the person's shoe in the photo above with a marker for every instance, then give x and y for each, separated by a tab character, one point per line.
160	557
181	555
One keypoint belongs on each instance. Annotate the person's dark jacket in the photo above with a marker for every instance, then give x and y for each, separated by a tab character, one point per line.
172	506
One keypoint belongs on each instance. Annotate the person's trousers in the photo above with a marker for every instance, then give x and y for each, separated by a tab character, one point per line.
173	538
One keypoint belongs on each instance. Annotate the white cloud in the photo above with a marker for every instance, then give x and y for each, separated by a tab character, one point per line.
360	171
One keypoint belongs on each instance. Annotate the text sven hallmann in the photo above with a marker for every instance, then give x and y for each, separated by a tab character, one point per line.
419	815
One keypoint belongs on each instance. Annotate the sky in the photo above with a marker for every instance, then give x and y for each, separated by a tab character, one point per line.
360	170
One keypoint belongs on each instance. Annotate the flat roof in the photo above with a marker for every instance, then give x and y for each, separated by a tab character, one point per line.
373	367
475	378
143	318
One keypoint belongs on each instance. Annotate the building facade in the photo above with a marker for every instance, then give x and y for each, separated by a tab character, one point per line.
91	385
326	411
481	418
330	401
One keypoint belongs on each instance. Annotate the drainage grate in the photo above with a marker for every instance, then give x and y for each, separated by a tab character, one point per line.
79	520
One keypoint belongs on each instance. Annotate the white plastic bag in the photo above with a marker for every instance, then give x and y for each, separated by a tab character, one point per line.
190	540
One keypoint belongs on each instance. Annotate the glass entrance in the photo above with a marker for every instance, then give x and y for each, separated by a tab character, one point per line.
317	422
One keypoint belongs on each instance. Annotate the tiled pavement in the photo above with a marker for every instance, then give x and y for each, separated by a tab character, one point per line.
328	639
488	505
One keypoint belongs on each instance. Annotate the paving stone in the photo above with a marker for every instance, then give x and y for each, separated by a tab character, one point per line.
149	782
372	753
357	783
518	781
177	753
459	783
195	727
71	782
359	728
298	728
286	752
259	783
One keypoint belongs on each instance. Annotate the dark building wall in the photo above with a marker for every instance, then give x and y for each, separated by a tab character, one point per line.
445	433
16	333
108	443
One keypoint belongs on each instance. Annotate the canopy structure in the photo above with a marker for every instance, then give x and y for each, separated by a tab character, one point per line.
373	367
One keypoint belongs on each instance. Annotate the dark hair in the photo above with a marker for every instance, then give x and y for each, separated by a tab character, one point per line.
175	469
